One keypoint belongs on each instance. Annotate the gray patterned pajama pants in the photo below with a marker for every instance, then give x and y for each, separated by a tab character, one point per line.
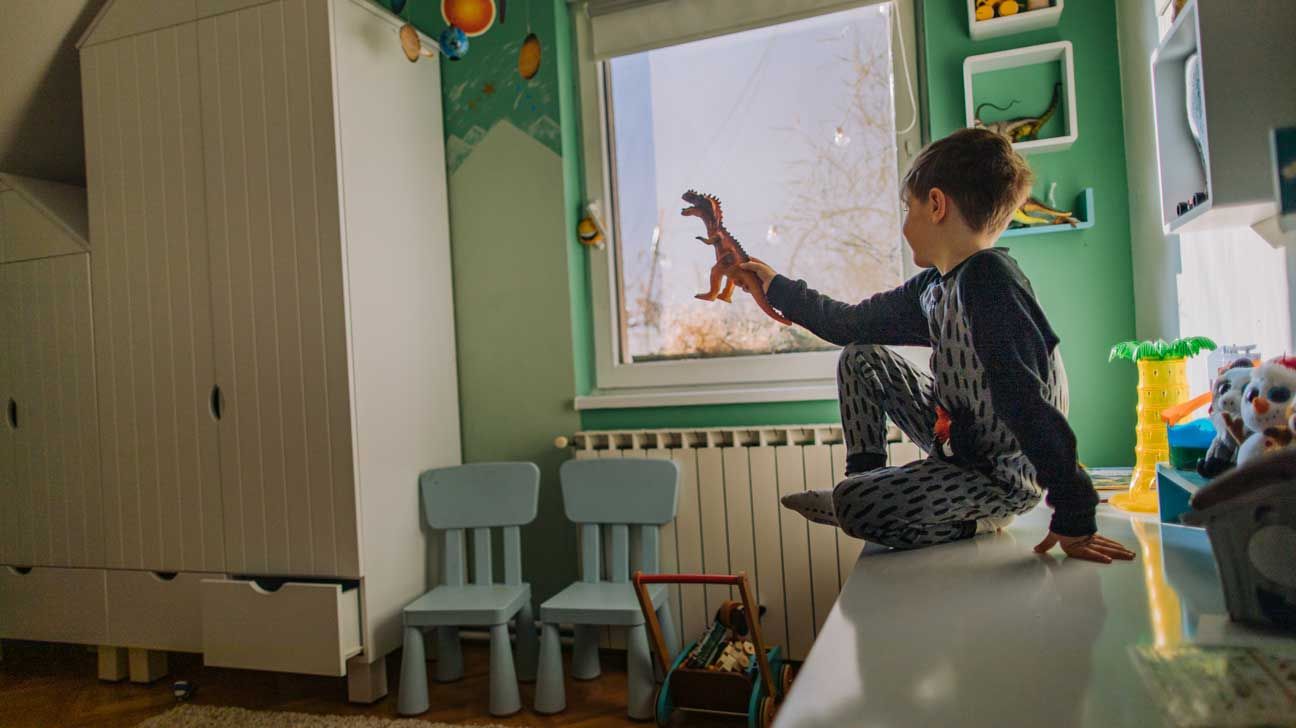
928	501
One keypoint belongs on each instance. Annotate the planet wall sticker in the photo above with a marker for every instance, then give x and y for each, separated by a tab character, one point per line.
529	57
473	17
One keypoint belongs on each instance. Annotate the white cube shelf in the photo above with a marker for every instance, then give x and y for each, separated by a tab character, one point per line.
1060	53
1247	90
1024	21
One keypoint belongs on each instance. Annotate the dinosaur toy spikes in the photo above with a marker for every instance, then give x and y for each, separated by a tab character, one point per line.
729	255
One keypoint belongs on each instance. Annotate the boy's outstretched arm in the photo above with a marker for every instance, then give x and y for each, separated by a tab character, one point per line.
1014	342
892	317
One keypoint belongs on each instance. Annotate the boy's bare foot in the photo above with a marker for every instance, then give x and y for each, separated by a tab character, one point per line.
816	505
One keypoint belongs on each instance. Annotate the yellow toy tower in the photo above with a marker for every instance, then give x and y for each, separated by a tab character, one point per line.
1162	383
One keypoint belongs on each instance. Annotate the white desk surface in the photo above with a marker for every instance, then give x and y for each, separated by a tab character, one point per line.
985	632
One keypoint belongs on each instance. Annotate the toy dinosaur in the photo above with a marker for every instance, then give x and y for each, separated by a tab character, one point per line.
1033	212
1022	129
729	255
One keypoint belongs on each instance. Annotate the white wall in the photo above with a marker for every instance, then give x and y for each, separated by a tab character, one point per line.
1230	285
1233	287
1156	256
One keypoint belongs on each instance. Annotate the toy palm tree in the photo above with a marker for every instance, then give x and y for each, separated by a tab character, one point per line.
1162	383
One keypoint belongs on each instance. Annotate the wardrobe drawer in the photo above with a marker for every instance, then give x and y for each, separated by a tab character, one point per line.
53	605
303	627
156	611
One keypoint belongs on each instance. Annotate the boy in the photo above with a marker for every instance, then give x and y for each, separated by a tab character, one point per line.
992	412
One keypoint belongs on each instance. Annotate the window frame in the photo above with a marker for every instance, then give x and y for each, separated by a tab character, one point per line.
758	378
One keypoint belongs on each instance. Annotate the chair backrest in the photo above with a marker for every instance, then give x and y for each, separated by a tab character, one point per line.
619	494
480	496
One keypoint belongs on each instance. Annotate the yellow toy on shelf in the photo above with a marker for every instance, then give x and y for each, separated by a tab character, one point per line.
987	9
1163	383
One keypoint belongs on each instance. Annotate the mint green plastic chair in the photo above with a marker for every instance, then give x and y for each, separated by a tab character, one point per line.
619	495
477	497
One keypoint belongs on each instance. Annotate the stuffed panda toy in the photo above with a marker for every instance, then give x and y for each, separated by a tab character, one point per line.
1226	415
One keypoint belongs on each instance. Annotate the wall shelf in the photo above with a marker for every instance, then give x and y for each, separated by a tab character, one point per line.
1246	93
1083	210
1023	22
1014	69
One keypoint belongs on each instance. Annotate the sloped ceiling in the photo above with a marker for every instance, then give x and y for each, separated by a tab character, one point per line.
40	88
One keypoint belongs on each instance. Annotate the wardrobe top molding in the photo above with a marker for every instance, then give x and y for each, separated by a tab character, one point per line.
123	18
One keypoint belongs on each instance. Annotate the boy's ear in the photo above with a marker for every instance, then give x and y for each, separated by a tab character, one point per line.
938	205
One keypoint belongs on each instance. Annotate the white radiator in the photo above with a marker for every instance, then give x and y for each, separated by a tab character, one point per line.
730	520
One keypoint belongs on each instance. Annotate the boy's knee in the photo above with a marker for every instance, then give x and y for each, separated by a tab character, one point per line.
859	355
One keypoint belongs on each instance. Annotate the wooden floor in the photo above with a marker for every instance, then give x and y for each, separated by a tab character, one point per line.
47	686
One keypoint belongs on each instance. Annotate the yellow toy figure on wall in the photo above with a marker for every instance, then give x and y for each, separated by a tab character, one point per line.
1162	383
987	9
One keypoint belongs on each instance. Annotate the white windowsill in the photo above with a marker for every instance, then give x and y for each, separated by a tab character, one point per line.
715	394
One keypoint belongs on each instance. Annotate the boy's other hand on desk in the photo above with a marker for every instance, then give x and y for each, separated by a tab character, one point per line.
1091	548
762	271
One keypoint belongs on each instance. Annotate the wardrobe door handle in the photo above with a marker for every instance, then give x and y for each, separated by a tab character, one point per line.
12	413
215	403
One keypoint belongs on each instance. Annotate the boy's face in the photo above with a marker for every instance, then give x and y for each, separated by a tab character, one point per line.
922	222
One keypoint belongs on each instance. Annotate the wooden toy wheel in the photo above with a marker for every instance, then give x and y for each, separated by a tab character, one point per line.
786	676
664	706
767	707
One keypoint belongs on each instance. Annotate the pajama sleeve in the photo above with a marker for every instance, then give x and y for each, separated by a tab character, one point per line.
1015	344
891	318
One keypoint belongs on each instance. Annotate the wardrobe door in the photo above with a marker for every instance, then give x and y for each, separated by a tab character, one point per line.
148	226
10	421
277	291
50	512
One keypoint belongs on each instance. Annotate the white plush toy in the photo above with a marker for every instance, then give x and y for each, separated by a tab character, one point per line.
1265	407
1226	415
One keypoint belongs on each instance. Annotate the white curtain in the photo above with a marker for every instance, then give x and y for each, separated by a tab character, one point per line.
621	27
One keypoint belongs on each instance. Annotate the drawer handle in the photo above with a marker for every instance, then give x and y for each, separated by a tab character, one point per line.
165	575
216	402
12	413
19	570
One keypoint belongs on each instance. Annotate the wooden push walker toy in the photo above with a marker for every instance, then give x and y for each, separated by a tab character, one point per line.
723	671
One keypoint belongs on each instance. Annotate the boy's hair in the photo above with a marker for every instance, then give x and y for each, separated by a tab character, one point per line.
979	171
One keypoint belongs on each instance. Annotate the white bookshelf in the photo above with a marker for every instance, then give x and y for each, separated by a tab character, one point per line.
1023	22
1059	53
1246	53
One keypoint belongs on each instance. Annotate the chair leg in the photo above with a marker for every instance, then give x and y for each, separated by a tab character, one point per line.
669	635
551	697
449	656
504	699
585	656
639	679
528	645
413	697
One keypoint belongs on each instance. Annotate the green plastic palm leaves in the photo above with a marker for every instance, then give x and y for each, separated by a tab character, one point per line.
1161	350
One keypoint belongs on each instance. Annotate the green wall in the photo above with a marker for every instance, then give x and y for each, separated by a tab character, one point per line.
1082	278
518	318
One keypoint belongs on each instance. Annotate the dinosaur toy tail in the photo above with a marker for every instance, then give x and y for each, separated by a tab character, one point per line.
1052	107
761	301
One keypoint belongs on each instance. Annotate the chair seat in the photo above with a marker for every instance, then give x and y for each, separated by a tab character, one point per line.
603	603
470	605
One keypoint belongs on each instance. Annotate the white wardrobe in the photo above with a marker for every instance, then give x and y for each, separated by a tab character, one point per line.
273	329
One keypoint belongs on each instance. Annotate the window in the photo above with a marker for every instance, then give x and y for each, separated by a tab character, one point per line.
793	127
